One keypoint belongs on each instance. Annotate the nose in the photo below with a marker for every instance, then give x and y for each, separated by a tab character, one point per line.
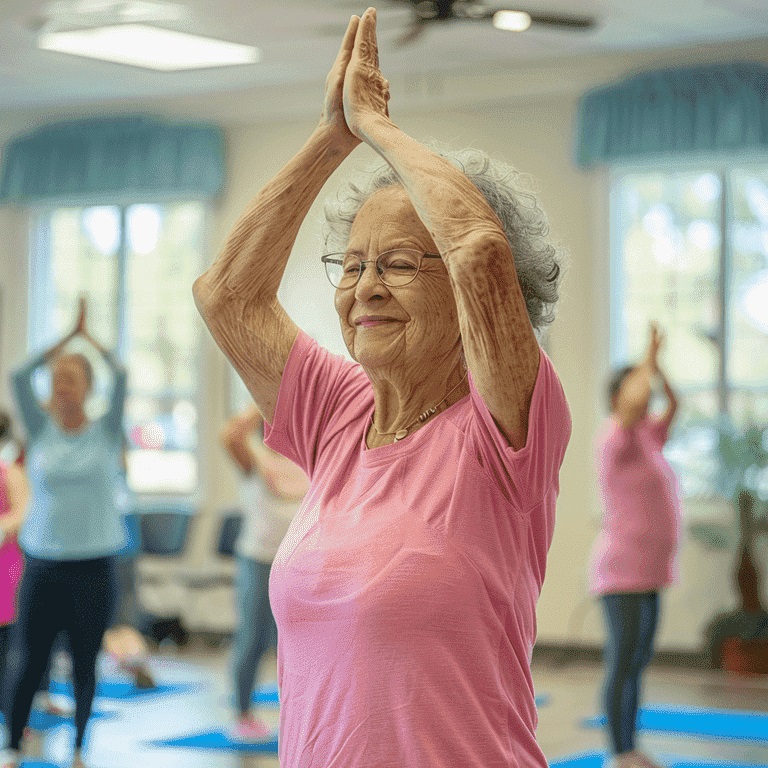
369	285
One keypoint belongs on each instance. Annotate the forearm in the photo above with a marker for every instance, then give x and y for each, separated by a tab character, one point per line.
636	390
24	392
251	263
672	401
451	207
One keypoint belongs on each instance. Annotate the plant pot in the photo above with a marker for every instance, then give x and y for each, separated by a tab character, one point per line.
746	657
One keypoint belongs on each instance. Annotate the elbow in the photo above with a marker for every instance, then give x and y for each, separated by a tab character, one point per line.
204	295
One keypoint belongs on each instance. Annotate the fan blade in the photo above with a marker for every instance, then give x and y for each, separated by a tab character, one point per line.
562	20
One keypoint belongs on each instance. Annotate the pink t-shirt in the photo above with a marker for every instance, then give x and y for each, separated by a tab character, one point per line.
636	550
11	560
405	590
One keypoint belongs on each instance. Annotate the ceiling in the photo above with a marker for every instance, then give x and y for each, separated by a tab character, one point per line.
299	41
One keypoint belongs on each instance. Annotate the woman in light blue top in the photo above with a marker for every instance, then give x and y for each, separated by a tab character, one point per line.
72	532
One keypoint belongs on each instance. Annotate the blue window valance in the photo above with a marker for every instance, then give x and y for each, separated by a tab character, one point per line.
675	112
107	159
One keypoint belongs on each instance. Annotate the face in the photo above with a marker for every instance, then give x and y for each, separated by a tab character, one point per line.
70	383
417	323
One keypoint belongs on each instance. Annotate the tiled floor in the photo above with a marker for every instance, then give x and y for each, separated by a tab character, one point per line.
122	740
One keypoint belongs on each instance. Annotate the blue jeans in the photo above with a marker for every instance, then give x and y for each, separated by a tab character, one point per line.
256	630
631	620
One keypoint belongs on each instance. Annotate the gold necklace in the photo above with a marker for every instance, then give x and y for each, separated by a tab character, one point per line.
401	433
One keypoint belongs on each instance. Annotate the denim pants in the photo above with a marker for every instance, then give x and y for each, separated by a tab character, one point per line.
631	620
256	630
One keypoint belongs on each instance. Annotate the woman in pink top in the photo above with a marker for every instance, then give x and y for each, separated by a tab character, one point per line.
635	555
405	589
14	496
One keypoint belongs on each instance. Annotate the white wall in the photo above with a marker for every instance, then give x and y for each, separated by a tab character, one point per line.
535	134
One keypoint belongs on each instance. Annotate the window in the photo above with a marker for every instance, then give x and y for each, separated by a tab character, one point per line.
136	265
690	249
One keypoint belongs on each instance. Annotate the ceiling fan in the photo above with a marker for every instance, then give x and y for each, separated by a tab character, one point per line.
426	14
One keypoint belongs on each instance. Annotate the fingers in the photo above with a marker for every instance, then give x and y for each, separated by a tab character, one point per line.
366	45
348	43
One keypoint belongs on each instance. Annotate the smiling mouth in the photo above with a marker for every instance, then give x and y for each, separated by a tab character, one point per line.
368	321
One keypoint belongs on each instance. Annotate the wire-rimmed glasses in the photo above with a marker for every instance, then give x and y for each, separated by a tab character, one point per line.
395	268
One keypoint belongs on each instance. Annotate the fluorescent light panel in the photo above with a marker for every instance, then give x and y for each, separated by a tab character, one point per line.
511	21
141	45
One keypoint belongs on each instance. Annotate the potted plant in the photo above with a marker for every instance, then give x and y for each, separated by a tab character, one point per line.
737	640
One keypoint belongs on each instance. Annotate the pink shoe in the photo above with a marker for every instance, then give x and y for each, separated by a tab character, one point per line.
251	730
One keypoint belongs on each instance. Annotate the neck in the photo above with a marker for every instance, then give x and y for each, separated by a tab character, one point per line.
69	419
401	397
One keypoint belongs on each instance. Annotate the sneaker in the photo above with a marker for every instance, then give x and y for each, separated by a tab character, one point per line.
646	761
9	758
250	730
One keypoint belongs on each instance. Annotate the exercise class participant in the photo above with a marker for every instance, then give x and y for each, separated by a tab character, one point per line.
271	489
635	555
72	532
405	590
14	498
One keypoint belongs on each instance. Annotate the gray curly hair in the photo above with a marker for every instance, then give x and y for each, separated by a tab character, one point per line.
539	263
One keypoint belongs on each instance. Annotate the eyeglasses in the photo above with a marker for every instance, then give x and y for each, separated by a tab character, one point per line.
395	268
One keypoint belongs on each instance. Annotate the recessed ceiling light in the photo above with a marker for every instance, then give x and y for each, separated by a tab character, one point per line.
511	21
141	45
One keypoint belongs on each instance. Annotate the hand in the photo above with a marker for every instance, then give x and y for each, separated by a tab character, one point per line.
654	345
366	92
333	106
81	312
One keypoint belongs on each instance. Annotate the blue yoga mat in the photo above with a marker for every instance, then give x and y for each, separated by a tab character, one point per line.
37	764
601	760
123	689
267	696
218	740
706	723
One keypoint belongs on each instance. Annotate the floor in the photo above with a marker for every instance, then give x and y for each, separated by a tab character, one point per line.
572	691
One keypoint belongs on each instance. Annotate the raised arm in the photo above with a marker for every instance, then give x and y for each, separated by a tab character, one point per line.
672	401
635	392
237	295
32	413
113	418
501	348
234	438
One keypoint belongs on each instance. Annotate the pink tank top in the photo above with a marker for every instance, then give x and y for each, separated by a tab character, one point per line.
11	560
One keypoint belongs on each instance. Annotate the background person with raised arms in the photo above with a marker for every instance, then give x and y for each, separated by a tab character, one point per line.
73	530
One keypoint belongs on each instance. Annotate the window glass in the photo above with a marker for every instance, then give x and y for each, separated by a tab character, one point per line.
135	265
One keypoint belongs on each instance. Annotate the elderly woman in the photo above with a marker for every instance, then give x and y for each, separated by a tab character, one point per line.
72	531
405	589
635	555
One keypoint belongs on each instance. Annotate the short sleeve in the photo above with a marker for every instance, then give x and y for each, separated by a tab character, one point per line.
525	475
320	394
659	430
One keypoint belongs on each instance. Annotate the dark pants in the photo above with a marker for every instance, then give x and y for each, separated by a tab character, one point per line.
76	597
631	620
5	633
